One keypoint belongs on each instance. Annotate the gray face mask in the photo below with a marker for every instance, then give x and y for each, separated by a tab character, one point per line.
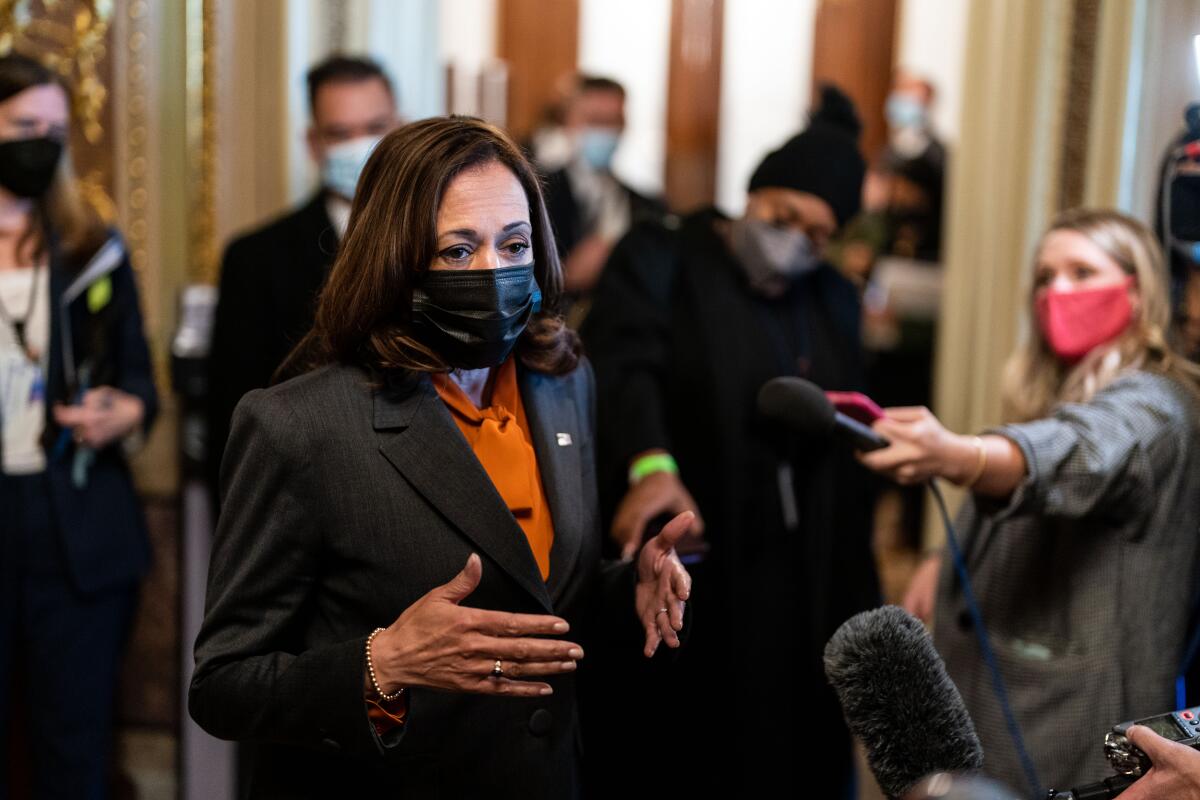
771	256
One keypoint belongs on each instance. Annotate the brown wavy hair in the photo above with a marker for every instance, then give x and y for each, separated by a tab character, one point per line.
364	315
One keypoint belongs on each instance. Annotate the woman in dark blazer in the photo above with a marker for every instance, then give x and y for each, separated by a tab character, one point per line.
76	391
450	423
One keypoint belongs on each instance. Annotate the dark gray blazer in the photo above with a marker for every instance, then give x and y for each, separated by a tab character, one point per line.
1085	578
342	505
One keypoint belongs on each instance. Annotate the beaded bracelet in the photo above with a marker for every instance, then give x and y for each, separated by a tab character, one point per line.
371	671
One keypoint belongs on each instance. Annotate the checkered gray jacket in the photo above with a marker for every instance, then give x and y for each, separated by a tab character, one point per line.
1086	577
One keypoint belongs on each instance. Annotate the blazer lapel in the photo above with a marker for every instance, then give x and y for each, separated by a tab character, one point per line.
557	436
428	449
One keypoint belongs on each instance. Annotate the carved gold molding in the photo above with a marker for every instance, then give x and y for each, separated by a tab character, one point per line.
201	137
137	134
71	37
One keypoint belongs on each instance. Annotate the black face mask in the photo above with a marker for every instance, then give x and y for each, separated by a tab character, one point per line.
27	165
473	318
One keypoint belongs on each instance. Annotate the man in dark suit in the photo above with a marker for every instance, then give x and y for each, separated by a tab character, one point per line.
589	207
270	277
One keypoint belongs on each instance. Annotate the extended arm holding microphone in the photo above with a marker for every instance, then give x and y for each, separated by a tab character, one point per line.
908	444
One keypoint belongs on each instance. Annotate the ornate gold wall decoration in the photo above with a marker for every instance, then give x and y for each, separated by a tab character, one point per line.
136	134
72	38
1077	101
202	140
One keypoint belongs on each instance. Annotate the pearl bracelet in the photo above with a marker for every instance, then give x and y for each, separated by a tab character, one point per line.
371	671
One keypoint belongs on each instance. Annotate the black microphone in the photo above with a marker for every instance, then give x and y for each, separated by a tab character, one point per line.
899	701
803	407
1106	789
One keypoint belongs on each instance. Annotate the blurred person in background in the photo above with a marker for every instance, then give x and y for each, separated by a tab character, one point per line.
904	189
909	112
1079	529
1178	192
76	395
590	208
271	276
688	323
893	252
550	146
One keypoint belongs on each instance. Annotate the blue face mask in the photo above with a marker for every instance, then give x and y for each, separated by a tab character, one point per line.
344	162
902	111
597	146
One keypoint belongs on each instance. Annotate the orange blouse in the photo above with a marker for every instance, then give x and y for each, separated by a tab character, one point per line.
499	436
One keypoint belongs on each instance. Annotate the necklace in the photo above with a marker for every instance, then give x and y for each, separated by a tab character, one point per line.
19	325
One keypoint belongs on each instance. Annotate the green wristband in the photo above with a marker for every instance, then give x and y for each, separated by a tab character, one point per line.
648	465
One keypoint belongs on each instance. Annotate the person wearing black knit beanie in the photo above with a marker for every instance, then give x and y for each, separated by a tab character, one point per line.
688	322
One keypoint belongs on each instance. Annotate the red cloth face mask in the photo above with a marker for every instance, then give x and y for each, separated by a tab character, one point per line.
1076	322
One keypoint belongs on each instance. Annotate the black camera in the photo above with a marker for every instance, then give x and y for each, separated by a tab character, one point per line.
1131	763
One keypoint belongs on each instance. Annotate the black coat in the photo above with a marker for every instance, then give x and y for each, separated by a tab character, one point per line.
270	279
343	505
101	523
681	346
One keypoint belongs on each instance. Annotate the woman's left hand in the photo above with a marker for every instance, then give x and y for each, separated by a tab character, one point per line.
105	415
663	585
921	448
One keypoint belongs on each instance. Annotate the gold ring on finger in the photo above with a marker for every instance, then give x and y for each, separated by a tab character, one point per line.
497	670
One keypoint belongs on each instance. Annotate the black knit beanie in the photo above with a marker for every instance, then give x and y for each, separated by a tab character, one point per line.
823	159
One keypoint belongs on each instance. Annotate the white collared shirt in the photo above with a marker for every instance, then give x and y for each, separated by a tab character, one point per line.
22	381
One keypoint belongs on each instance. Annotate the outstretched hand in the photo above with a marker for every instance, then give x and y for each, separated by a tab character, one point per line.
663	585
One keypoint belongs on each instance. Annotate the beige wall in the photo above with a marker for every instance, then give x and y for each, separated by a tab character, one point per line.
1001	195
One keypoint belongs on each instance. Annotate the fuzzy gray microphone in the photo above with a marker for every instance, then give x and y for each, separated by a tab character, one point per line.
898	700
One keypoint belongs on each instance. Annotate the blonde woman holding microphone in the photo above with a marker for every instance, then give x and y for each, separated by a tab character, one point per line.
1080	528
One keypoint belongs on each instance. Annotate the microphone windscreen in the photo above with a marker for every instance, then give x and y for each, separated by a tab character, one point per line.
798	404
898	700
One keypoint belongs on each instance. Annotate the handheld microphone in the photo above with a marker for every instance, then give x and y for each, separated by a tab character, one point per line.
803	407
899	701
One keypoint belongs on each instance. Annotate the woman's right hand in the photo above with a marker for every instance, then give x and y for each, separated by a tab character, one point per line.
922	589
440	644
